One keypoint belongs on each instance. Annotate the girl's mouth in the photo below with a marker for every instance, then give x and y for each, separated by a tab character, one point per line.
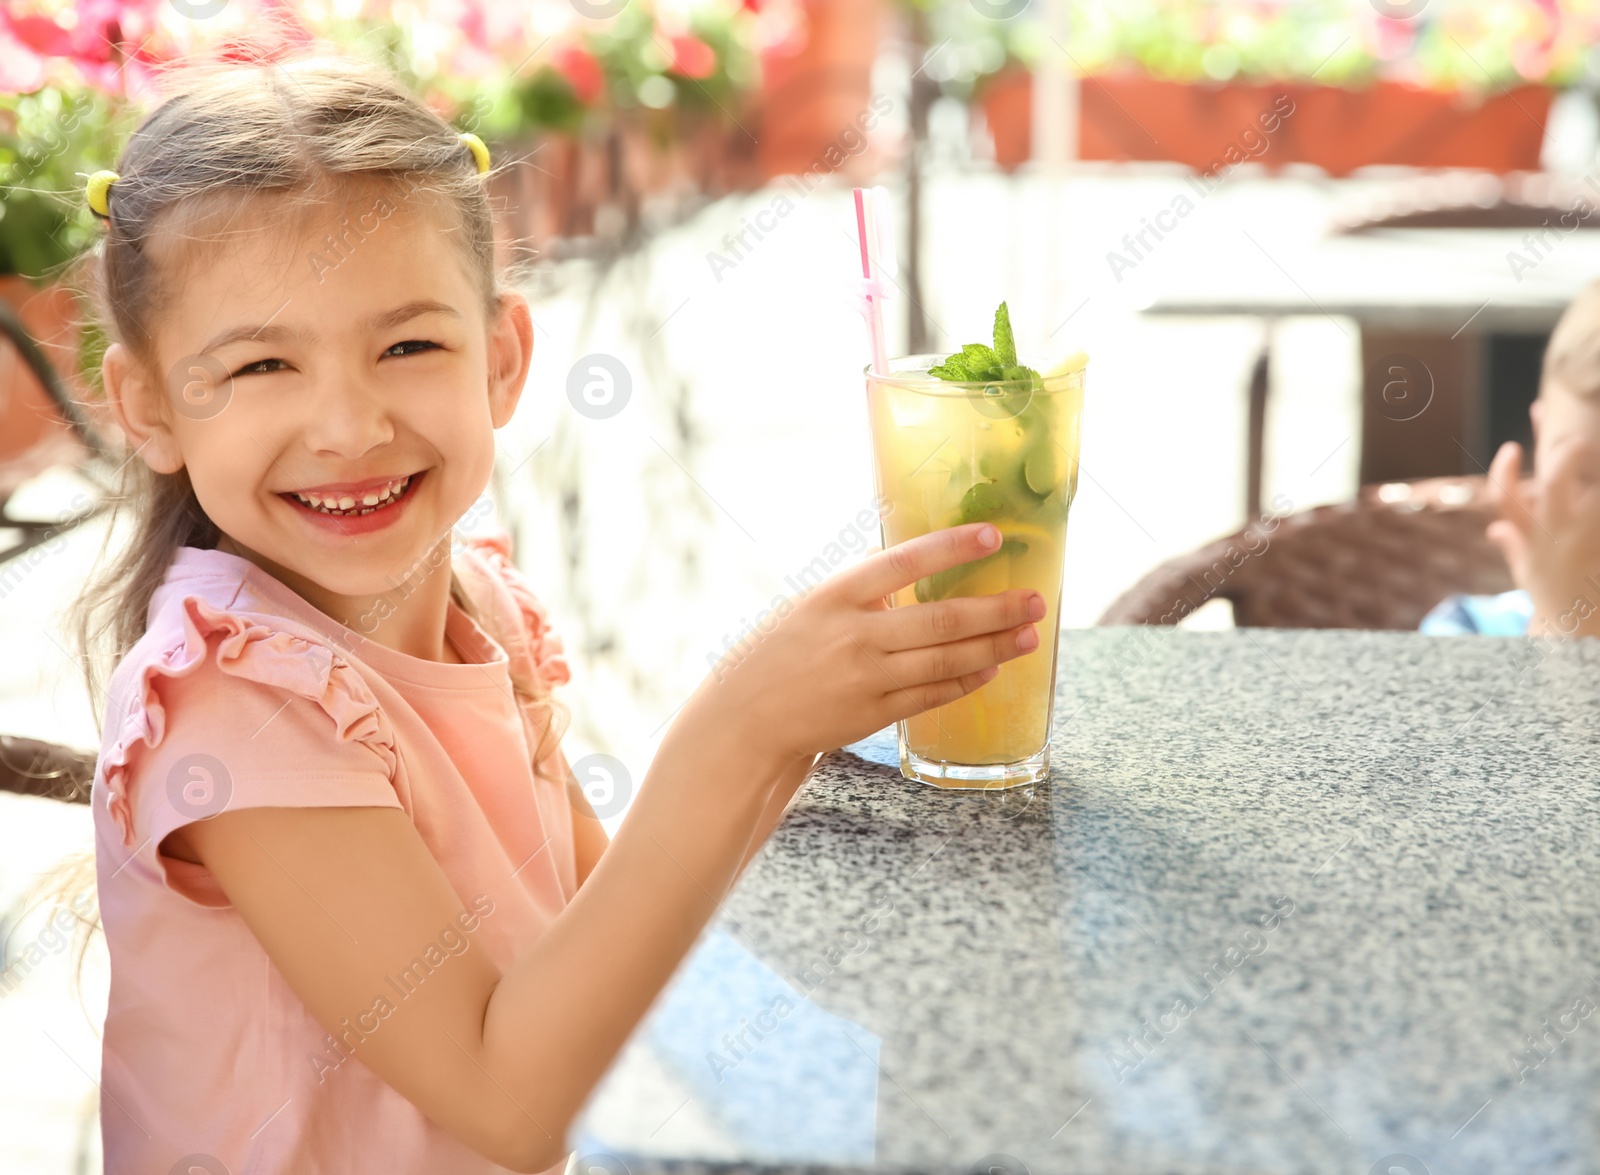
349	519
348	506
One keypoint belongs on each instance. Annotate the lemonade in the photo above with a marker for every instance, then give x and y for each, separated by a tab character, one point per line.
1006	452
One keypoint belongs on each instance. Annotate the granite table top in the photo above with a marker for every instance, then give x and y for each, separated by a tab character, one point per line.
1289	902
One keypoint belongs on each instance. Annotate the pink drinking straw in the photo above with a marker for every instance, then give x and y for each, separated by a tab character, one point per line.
868	209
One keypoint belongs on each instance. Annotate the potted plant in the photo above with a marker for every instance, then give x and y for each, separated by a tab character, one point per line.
1457	85
816	82
647	104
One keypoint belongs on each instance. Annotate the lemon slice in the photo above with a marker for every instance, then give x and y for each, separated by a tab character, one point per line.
1025	531
1076	361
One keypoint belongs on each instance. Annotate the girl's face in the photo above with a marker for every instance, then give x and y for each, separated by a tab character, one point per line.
329	366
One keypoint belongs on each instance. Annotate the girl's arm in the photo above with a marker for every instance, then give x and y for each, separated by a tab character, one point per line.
590	840
343	900
783	794
589	837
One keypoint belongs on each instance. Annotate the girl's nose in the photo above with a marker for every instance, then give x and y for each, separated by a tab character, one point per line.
349	416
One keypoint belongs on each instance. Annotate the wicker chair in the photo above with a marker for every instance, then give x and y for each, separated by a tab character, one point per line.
1380	562
42	427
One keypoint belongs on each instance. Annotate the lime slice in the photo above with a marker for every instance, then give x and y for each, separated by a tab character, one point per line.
944	583
982	501
1043	468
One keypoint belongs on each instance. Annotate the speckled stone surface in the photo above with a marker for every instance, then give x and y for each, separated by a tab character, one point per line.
1290	902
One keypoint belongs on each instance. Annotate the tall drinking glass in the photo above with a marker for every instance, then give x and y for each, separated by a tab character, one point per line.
1004	452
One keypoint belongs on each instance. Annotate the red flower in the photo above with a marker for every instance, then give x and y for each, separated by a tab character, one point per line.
108	44
582	72
692	57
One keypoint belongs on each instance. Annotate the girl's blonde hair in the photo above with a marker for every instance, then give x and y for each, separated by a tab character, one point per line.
1572	356
276	140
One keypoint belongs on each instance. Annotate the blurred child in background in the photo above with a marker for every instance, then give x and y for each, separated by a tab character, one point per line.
1548	527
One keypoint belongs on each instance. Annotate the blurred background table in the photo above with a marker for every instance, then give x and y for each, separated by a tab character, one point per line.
1291	901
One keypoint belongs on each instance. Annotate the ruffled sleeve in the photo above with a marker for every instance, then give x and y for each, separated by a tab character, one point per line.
238	713
543	645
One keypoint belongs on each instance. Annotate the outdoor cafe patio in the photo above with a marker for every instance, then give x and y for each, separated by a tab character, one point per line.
1302	887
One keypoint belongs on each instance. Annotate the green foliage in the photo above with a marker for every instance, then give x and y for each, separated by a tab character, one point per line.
548	100
50	141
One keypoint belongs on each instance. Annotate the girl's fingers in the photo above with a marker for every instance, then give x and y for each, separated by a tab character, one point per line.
909	700
904	563
943	621
958	658
1513	544
1505	486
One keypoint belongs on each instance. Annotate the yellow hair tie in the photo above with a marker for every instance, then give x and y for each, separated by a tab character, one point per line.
479	151
99	191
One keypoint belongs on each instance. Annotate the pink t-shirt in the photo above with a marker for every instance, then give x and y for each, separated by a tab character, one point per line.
241	691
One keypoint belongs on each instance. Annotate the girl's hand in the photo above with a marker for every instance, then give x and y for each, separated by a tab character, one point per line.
842	663
1550	534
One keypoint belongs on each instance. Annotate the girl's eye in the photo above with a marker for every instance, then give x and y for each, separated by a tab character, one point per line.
415	343
255	368
260	367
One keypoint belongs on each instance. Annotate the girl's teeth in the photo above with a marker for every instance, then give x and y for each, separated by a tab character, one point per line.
371	500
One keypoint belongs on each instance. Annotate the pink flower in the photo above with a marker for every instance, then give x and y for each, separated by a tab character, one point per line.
582	72
1394	38
1532	55
475	26
21	69
692	57
1531	61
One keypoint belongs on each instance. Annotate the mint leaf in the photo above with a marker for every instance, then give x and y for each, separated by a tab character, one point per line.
974	363
1005	345
981	360
980	363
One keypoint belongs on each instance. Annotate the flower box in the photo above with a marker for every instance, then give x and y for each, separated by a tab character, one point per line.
1133	117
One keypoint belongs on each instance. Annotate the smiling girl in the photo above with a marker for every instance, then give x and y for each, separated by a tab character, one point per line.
359	915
